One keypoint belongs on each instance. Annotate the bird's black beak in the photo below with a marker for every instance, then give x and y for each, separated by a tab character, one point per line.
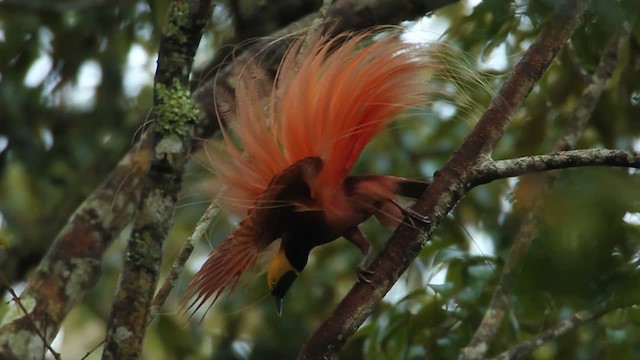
280	289
278	304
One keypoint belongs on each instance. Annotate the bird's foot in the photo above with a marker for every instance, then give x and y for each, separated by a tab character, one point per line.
362	275
413	215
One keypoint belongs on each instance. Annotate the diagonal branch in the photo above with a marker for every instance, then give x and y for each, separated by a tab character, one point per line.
73	262
448	186
174	121
488	328
178	265
521	350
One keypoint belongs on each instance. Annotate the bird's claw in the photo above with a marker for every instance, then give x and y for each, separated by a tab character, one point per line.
413	215
363	274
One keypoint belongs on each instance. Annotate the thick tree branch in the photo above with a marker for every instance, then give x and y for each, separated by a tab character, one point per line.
447	188
174	120
73	262
484	335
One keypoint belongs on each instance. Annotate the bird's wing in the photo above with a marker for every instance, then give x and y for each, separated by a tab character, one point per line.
410	187
262	225
378	192
386	184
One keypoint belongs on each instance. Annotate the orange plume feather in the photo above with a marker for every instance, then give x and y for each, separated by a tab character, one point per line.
329	102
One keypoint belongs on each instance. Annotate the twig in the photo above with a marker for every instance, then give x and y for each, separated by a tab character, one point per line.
448	186
178	265
24	310
488	328
592	93
575	62
92	350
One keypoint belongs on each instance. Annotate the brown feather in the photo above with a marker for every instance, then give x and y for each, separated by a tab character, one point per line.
264	223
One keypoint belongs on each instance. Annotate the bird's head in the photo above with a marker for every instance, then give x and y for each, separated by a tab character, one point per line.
280	276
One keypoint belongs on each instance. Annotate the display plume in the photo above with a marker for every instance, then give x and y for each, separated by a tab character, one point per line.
284	163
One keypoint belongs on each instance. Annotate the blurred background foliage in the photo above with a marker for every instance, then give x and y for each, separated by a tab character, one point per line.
75	90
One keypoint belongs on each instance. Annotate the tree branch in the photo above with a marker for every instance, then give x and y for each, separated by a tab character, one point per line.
485	333
447	188
201	227
174	122
590	96
494	170
521	350
73	261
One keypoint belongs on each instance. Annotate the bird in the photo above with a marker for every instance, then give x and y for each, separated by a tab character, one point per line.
290	144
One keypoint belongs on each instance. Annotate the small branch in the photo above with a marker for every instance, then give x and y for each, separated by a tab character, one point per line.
575	62
24	310
591	94
448	186
178	265
490	171
577	319
486	331
174	122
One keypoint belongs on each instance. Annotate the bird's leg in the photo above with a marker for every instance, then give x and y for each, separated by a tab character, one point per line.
356	237
411	214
